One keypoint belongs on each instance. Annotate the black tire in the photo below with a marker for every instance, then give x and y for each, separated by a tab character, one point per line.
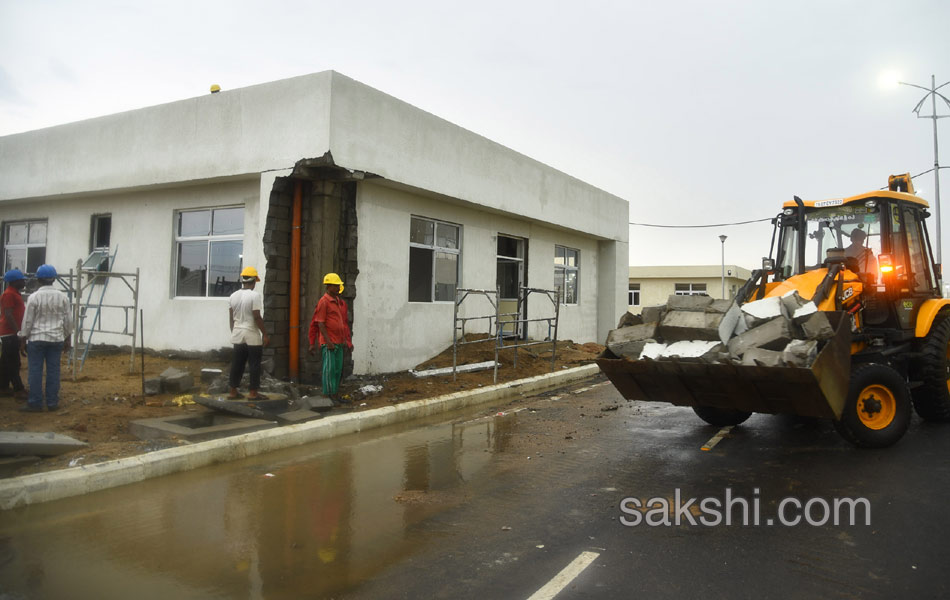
932	398
877	411
721	417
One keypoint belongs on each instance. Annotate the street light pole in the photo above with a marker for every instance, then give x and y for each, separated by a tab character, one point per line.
932	93
722	239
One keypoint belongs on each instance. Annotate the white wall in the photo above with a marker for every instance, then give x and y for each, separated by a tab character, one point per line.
143	237
393	334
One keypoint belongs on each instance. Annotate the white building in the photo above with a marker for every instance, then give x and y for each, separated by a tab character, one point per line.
405	206
653	285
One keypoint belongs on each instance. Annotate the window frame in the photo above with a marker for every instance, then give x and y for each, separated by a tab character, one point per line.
693	289
633	292
208	239
567	269
26	245
435	251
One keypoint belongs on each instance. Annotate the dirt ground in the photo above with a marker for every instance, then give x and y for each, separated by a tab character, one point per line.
105	397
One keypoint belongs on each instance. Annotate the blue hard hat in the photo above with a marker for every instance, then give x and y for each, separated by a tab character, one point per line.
46	272
13	275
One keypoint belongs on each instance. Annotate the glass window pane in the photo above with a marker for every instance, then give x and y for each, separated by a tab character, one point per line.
559	280
196	222
508	279
38	233
570	287
570	256
102	231
228	221
16	233
420	275
35	257
446	275
192	268
224	274
447	236
15	259
508	246
421	231
559	255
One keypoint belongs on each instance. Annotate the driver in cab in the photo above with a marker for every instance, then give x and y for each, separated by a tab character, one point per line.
867	262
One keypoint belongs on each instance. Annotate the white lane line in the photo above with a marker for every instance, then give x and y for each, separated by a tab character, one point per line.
717	438
565	577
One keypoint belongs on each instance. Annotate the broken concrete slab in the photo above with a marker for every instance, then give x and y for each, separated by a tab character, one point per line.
653	314
301	415
760	311
762	358
28	443
689	348
689	325
792	301
817	327
231	406
630	340
318	403
804	311
653	350
772	335
719	306
631	350
196	428
153	386
481	366
209	375
628	319
730	323
800	353
694	303
176	381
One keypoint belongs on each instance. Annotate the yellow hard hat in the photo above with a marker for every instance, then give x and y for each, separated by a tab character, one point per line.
249	272
332	278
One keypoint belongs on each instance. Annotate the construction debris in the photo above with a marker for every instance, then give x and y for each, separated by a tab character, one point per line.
775	332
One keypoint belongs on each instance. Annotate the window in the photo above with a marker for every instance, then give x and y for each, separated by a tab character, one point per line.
24	245
566	268
99	235
633	294
434	250
690	289
510	266
209	248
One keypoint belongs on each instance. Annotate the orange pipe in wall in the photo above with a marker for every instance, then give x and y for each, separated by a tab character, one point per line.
294	359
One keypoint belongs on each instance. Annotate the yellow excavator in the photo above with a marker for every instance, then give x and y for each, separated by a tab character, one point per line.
867	261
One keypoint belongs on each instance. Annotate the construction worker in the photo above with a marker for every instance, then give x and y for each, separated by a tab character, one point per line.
11	316
867	262
330	327
247	334
47	327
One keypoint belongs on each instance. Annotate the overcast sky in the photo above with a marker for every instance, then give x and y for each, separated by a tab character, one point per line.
696	112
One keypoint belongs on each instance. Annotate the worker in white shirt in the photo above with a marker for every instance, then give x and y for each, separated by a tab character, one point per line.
247	334
47	327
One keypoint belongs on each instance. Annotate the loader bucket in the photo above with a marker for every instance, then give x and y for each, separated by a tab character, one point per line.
817	391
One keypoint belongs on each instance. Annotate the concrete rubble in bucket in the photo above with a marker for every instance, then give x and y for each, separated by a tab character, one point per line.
772	332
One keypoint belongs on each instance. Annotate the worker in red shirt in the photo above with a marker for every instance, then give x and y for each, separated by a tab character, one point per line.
330	327
12	308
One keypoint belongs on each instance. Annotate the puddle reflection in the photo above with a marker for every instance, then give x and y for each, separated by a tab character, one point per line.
308	522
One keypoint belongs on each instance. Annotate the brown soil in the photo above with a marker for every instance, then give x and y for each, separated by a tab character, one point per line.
98	406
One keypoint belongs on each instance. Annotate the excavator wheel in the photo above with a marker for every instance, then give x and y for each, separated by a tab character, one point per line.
932	399
720	417
877	411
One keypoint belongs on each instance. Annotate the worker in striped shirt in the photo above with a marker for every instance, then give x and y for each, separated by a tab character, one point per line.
47	327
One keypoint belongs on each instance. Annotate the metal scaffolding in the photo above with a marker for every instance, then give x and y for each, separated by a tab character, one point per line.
498	321
86	288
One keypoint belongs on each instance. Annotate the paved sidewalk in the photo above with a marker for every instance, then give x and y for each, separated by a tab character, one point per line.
54	485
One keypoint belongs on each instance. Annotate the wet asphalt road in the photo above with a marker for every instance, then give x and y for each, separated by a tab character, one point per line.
494	506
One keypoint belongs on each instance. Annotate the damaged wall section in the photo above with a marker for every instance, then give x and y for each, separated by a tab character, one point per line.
328	244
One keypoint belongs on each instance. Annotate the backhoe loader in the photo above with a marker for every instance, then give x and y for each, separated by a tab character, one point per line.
867	261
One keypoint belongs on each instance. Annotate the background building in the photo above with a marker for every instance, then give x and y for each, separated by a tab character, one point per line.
650	286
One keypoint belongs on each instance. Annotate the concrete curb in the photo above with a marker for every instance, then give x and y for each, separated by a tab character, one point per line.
55	485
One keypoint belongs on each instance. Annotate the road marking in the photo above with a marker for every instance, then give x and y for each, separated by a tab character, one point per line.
565	577
717	438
